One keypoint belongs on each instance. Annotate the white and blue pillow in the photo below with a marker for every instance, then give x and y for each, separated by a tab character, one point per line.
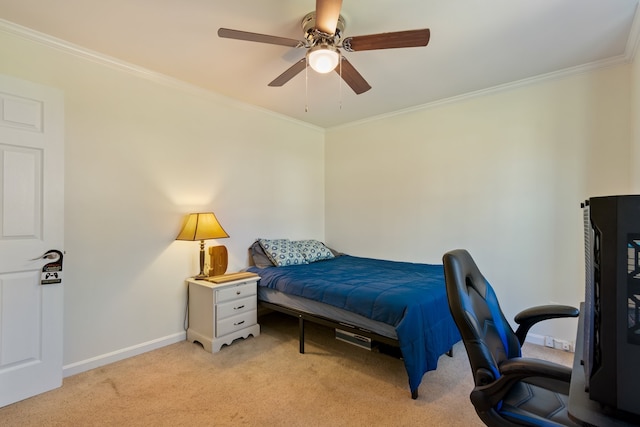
282	252
313	250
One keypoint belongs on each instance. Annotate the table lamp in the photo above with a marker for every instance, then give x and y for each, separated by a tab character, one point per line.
202	226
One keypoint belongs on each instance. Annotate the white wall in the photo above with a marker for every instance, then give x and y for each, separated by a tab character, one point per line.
501	175
141	152
634	114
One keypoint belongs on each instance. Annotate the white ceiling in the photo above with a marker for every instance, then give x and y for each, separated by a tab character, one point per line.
474	45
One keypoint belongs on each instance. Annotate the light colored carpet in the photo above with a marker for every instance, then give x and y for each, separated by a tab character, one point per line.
261	381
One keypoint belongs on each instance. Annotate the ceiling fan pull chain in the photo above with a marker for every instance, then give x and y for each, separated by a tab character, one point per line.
306	86
340	84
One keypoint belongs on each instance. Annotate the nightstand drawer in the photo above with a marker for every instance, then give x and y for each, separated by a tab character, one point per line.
235	323
233	292
236	307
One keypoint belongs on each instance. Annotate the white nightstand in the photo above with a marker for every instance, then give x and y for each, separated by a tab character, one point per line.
222	312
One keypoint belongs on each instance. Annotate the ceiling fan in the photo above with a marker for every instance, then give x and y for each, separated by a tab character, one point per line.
323	38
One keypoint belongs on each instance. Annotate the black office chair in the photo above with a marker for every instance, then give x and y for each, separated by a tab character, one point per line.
509	390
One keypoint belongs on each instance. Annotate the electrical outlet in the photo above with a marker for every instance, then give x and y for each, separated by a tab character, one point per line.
548	341
567	346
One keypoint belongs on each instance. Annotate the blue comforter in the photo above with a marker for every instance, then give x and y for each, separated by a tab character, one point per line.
411	297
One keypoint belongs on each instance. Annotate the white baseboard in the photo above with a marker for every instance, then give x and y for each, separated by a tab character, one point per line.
125	353
558	344
535	339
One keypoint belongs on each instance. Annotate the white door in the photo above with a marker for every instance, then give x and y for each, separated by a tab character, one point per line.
31	223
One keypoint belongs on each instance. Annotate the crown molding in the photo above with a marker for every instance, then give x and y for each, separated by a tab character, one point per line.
555	75
153	76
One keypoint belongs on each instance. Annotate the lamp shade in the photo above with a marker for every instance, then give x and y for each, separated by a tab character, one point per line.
201	226
323	58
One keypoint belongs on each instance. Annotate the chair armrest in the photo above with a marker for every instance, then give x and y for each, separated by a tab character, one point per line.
512	371
523	367
529	317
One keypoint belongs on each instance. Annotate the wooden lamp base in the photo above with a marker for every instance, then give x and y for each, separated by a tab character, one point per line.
218	260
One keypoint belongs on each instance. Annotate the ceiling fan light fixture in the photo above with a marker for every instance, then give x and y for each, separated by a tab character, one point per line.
323	58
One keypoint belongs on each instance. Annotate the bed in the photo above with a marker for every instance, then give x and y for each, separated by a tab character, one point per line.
394	303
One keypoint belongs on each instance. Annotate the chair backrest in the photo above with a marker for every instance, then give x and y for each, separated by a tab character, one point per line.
487	335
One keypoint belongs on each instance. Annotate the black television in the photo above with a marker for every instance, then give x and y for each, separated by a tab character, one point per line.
611	311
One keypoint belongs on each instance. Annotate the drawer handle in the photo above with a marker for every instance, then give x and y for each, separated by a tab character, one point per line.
238	308
239	323
238	292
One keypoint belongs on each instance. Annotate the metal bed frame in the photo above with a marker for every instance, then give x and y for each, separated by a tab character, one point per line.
321	320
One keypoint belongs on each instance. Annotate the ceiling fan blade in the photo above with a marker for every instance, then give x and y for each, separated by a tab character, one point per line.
327	14
290	73
261	38
410	38
352	77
